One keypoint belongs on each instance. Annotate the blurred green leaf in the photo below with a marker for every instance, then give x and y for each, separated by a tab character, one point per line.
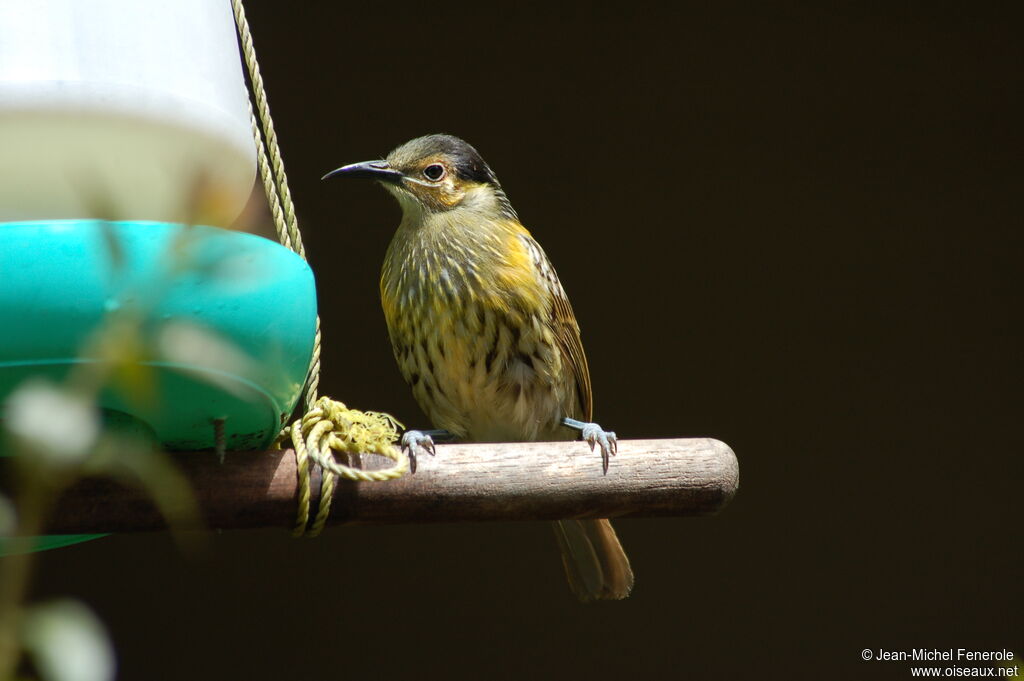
97	201
8	517
113	245
137	462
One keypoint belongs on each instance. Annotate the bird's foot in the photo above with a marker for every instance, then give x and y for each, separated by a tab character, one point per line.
417	443
595	435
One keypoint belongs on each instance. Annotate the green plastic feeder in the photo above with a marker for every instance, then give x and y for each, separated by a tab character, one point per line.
62	279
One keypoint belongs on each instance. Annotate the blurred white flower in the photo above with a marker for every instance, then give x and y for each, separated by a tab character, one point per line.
240	273
68	642
193	347
57	423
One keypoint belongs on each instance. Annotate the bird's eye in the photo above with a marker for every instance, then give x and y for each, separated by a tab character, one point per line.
434	172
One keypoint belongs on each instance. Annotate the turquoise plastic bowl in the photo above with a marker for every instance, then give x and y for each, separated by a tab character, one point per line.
59	280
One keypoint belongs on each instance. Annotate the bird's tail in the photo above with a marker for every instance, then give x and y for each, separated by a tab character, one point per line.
595	564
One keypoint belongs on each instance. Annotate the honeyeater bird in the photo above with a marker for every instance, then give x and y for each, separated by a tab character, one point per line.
483	331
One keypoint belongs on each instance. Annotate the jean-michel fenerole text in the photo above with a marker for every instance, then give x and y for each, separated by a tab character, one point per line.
951	654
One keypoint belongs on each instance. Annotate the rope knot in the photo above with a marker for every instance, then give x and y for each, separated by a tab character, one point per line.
327	426
331	427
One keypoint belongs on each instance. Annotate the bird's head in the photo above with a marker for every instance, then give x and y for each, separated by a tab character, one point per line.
435	174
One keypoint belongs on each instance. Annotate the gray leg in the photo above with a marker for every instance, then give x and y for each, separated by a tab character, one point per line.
595	435
420	442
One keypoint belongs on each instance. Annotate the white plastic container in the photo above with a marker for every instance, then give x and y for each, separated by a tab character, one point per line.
122	107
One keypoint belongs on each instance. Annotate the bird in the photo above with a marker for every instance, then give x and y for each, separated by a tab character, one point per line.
483	331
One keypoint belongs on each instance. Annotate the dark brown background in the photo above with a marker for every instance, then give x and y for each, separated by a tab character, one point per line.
795	229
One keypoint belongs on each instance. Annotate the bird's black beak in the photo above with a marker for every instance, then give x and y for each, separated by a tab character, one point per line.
370	170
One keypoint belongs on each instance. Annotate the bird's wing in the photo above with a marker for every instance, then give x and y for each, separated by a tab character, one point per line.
566	330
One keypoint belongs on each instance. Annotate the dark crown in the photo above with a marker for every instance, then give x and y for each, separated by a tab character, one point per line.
469	165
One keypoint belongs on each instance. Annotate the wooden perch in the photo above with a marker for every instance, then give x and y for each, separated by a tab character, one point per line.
467	482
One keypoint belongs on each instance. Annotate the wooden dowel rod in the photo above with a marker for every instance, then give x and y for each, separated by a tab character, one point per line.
464	482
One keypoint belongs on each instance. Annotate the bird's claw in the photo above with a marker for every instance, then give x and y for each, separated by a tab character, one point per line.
595	435
417	443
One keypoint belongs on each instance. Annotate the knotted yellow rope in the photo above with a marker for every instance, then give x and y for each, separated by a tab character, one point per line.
331	427
326	425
